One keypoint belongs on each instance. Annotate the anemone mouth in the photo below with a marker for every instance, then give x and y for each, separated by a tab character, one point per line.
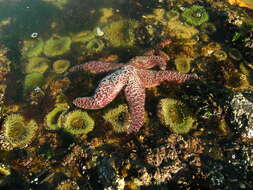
78	122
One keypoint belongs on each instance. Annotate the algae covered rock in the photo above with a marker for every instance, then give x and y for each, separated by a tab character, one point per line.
56	46
17	132
36	65
175	115
195	15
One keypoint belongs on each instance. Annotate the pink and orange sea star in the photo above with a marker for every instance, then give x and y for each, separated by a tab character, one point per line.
133	77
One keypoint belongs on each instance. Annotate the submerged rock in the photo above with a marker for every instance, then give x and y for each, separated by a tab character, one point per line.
242	111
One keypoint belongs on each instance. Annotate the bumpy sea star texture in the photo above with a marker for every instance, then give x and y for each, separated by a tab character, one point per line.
133	77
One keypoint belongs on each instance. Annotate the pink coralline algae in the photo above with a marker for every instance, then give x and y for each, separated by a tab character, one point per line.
133	77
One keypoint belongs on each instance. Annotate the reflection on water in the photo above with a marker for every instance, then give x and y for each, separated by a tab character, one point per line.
196	134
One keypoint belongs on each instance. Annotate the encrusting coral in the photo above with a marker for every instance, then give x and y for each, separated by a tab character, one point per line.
78	122
195	15
60	66
17	132
32	48
119	118
175	115
57	46
36	65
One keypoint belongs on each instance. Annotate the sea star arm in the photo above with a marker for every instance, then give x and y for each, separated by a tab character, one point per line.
147	62
106	91
135	96
96	67
153	78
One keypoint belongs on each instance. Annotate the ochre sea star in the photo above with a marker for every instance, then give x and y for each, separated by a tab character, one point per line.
133	77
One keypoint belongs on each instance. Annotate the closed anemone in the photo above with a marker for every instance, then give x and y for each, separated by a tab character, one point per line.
52	118
32	81
60	66
119	118
36	65
208	28
95	45
183	64
18	132
235	54
220	55
32	48
195	15
78	122
175	115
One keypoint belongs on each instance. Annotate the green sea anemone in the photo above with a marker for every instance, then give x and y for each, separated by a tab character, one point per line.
78	122
195	15
83	36
57	3
175	115
17	132
32	48
208	28
121	33
176	28
52	119
235	54
57	46
32	81
36	65
172	14
60	66
95	45
119	118
183	64
220	55
4	169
